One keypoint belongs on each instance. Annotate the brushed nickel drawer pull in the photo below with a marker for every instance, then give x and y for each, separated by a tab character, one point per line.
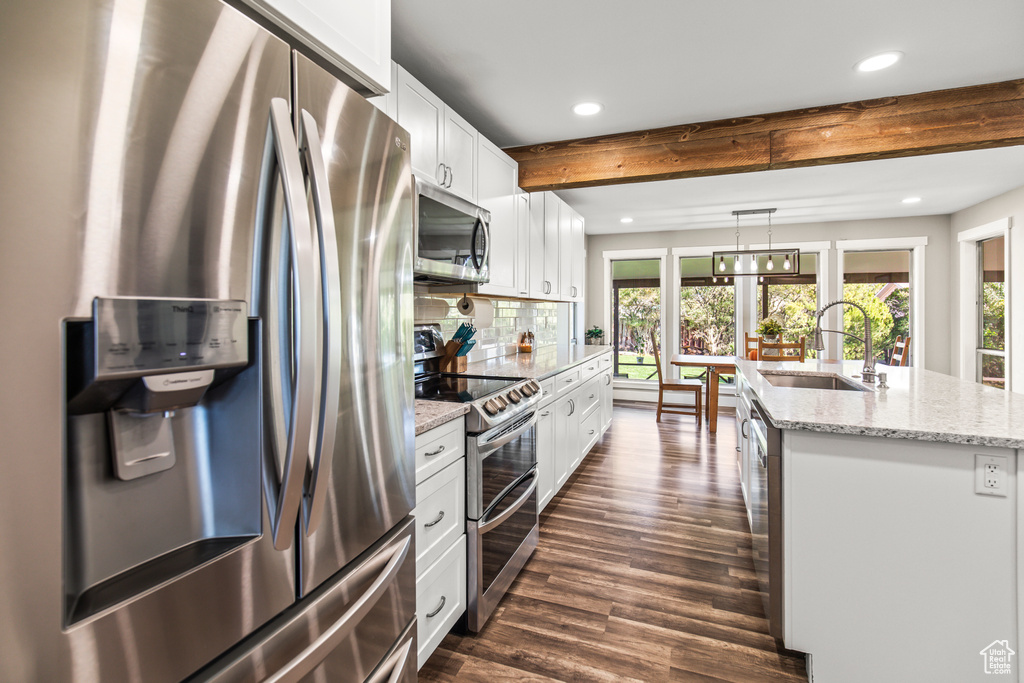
591	431
439	450
437	521
437	610
591	396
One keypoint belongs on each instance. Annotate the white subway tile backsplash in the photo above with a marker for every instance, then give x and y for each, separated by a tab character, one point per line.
510	319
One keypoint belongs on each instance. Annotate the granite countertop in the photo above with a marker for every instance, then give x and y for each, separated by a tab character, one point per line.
430	414
919	404
542	363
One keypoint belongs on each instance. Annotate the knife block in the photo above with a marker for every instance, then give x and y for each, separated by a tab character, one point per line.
451	362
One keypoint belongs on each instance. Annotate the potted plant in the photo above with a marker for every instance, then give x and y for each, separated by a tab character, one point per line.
595	335
770	329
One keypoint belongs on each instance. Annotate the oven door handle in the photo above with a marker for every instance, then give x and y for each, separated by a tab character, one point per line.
487	448
484	526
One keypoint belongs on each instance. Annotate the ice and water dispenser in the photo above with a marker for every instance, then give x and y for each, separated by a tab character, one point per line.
162	458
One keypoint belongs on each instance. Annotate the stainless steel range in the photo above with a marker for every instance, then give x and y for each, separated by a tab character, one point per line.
501	469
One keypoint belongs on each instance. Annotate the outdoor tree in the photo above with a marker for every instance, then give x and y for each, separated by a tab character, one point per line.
639	316
709	314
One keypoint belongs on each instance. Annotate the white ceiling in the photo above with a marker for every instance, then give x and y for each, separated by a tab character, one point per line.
515	69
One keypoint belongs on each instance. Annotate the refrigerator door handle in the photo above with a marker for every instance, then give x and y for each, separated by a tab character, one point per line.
393	667
314	654
293	441
330	269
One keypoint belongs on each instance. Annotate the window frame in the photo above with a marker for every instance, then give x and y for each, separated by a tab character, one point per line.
969	296
635	255
917	247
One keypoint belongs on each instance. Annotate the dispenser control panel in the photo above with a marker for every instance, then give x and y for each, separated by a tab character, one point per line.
145	336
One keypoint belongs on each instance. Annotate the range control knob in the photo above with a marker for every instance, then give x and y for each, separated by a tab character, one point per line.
515	396
535	386
527	390
502	403
491	407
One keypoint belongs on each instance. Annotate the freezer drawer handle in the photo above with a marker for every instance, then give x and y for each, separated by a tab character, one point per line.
437	521
393	665
437	610
310	658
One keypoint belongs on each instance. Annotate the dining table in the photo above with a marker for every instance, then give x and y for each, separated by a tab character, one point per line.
715	366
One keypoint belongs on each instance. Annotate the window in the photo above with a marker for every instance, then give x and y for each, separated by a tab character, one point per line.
707	312
880	282
991	326
793	301
636	315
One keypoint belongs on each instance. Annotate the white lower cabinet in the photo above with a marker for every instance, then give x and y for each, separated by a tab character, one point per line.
440	533
605	379
545	455
440	598
567	428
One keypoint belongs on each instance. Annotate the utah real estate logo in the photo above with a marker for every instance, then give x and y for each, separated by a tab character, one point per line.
998	657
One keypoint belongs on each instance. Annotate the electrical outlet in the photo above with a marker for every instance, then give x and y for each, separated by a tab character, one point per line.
990	475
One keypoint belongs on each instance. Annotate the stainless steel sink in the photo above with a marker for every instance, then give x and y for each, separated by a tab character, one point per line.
806	381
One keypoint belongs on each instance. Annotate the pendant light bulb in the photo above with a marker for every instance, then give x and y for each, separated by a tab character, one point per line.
761	279
714	279
787	265
721	264
753	263
771	263
737	266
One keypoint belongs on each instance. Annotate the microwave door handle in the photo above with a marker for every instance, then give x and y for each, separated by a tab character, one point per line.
490	524
330	361
477	227
281	144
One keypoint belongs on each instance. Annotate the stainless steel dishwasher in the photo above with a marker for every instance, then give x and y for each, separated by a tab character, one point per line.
766	513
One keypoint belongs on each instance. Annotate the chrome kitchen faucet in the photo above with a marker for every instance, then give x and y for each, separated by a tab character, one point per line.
868	373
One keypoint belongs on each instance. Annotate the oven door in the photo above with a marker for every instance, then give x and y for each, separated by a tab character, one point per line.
500	543
498	459
452	237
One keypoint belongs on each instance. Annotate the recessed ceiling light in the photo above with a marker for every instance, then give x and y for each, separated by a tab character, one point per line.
627	219
911	200
878	62
587	108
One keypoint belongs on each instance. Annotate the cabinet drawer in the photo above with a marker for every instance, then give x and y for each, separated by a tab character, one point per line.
440	598
589	396
590	430
604	362
547	390
567	381
439	447
440	512
589	368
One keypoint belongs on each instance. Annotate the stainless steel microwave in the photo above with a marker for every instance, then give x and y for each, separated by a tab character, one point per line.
452	238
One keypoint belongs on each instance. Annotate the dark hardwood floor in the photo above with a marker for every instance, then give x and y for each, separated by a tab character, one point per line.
643	572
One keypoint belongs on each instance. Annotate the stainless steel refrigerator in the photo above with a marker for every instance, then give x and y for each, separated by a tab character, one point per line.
206	410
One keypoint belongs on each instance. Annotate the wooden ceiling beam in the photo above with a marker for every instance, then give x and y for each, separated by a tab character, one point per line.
975	117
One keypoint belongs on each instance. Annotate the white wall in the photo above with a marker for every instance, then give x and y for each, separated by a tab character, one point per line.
938	302
1009	205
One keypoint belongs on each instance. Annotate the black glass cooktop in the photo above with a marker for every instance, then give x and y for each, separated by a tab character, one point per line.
460	388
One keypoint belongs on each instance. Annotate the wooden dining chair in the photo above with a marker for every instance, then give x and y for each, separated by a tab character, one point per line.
692	385
750	347
900	351
782	350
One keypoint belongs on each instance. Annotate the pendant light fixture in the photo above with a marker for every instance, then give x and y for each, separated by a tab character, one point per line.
762	261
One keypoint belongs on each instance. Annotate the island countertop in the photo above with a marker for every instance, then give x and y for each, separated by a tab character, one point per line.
919	404
543	362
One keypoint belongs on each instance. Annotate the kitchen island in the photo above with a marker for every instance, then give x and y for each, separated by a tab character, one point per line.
894	568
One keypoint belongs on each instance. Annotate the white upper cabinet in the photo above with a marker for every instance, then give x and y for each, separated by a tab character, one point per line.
565	246
578	276
497	188
538	284
523	250
420	112
443	144
353	36
460	156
